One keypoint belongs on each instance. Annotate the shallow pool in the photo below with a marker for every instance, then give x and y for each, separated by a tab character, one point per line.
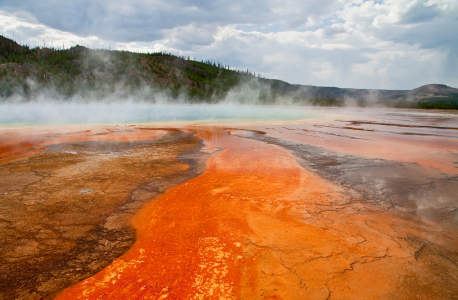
122	113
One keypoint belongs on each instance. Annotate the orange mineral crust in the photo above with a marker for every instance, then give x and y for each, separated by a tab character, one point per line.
66	210
19	142
13	143
407	148
402	137
256	225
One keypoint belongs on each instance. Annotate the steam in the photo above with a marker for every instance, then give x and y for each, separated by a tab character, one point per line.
252	101
131	112
110	77
135	99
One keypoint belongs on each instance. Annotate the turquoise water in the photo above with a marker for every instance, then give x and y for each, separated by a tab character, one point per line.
124	113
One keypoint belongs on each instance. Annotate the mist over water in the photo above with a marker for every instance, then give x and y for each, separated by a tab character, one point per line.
36	113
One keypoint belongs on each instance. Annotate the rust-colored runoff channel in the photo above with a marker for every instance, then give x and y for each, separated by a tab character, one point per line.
16	142
256	225
66	204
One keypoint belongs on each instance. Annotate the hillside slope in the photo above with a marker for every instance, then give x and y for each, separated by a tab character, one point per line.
98	73
29	74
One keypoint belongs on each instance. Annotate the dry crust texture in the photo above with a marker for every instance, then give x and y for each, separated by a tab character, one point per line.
65	211
319	210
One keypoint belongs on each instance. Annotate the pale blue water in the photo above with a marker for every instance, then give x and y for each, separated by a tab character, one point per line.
123	113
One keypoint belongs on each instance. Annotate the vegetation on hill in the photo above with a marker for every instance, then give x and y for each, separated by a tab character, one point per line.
83	73
99	73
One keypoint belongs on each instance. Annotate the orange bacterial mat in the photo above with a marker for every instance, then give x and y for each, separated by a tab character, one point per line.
256	225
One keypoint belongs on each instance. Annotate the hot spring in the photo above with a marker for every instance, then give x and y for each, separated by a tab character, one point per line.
123	113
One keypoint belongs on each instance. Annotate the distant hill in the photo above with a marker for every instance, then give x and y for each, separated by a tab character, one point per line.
427	96
86	74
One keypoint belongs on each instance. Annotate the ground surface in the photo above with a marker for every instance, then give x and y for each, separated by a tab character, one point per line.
65	210
355	206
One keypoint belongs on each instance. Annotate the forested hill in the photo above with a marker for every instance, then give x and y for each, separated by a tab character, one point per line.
81	73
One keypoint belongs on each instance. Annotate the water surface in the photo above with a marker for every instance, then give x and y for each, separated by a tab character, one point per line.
122	113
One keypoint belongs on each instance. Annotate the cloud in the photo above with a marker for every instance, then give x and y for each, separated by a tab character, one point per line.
394	44
333	30
145	20
421	13
26	30
189	36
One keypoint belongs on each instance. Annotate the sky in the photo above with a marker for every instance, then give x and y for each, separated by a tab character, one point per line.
393	44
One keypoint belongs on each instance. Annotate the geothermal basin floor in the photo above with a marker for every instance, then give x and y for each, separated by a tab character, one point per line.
324	209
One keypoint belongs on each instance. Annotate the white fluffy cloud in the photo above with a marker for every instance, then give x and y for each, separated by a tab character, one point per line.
393	44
